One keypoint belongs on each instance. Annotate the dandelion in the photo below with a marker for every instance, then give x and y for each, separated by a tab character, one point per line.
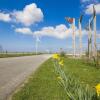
98	89
56	56
61	63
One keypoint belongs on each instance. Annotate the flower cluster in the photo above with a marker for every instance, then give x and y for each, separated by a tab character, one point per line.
59	59
74	89
56	56
98	89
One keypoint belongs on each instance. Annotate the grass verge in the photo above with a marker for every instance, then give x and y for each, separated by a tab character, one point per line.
43	84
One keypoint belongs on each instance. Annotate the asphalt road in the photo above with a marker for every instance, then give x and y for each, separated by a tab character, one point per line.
13	71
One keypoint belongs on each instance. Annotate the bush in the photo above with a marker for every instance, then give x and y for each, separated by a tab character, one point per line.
62	54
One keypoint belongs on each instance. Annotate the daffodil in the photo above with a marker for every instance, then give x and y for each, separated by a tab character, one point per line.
59	78
56	56
98	89
61	63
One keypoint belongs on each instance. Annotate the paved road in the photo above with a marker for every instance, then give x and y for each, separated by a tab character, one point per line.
13	71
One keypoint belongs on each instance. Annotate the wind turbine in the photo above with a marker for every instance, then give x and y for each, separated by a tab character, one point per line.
36	43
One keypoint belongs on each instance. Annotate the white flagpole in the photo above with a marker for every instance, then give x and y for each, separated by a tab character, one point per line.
73	37
89	38
80	38
95	51
74	46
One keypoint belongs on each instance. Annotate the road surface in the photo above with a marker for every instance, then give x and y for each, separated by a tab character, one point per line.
13	71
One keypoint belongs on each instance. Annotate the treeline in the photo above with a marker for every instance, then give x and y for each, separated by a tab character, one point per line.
16	54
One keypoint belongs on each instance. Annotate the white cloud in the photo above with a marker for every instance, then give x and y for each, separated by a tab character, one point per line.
29	15
24	31
89	9
59	31
5	17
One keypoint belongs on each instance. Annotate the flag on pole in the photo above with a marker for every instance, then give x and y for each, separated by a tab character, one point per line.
94	23
91	20
80	34
89	27
70	20
93	16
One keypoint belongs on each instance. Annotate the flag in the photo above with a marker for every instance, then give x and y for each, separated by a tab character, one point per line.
91	25
80	19
93	16
94	12
70	20
87	27
91	20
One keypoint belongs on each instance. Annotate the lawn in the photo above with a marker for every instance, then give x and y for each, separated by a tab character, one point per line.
43	85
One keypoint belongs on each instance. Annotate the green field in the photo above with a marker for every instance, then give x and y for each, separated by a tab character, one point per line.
43	85
5	55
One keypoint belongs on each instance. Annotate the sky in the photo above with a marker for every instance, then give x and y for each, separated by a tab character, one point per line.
27	22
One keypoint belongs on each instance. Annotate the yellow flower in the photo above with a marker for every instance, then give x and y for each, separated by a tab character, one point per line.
59	78
56	56
98	89
61	63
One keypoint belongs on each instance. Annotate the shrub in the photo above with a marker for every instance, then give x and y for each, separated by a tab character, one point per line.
62	54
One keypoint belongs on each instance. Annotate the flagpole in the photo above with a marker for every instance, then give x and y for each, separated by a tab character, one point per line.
72	21
89	40
95	51
74	46
80	38
88	46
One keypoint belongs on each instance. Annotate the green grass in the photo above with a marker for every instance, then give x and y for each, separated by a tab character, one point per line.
43	84
84	72
5	55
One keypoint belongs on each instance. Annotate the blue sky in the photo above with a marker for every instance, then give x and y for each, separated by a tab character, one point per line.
54	12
